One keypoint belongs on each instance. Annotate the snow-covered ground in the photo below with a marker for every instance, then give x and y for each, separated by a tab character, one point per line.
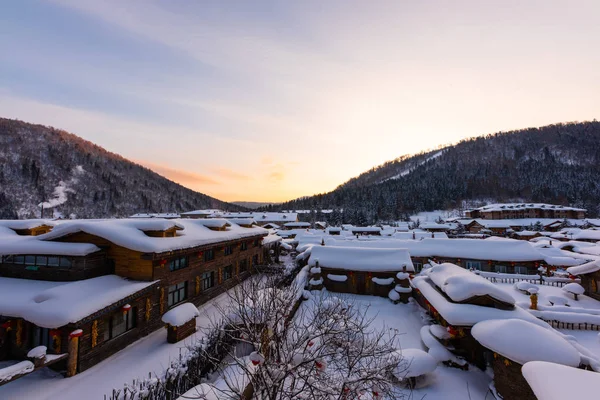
444	383
149	354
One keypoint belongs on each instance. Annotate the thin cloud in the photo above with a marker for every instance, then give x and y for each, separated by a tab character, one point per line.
230	174
186	178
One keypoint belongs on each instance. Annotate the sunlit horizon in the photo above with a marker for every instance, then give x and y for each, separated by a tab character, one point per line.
269	101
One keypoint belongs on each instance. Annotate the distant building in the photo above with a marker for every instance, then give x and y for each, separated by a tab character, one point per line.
525	210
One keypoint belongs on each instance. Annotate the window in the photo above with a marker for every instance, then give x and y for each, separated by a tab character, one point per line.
209	255
244	246
228	272
256	242
178	263
177	294
243	265
474	265
228	250
118	323
418	266
38	261
208	280
255	260
519	269
500	268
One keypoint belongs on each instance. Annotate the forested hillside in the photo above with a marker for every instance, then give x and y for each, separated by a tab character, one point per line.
70	175
553	164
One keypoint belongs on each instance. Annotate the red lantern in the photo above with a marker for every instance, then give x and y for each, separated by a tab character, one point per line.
7	325
200	254
452	331
54	332
572	277
310	343
163	262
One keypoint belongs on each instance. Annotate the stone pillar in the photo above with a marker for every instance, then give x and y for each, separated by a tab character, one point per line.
73	352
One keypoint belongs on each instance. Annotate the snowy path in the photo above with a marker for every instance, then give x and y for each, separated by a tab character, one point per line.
150	354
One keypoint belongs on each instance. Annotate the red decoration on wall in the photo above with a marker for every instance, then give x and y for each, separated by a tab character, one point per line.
200	254
54	332
163	262
7	325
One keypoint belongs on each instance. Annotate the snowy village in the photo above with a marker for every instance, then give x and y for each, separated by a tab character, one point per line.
212	305
299	200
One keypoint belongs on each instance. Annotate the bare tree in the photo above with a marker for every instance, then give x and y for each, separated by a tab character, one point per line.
322	348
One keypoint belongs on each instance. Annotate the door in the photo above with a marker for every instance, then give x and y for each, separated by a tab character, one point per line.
41	337
360	283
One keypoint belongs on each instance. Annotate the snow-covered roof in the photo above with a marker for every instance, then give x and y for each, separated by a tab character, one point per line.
297	224
419	235
360	259
522	341
271	238
586	268
279	217
242	221
129	233
55	304
502	250
460	284
17	224
551	381
32	245
587	234
433	225
202	212
464	314
180	314
155	215
365	229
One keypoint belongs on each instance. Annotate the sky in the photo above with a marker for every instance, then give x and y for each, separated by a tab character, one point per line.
273	100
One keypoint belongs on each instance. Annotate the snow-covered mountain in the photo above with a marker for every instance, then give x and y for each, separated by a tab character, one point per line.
69	175
558	164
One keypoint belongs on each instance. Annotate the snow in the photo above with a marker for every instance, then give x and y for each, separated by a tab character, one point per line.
151	353
361	259
402	275
557	301
439	332
502	250
522	341
297	225
129	233
180	315
436	349
467	314
274	238
55	304
402	289
17	224
460	284
315	270
574	288
415	362
383	281
551	381
583	269
9	372
60	194
204	391
315	282
32	245
37	352
337	278
393	295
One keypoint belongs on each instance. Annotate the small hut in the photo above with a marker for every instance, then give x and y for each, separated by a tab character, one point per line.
514	342
181	322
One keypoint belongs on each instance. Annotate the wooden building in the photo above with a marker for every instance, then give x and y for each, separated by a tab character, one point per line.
590	277
525	210
361	271
458	299
124	275
511	343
